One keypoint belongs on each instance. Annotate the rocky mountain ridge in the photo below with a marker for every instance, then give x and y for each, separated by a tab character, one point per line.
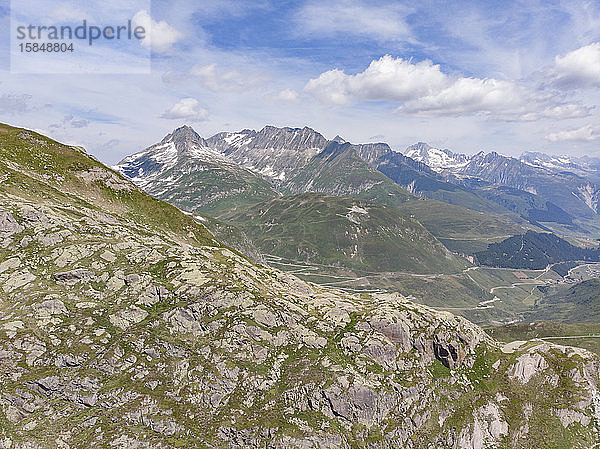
532	172
573	193
273	152
189	173
281	154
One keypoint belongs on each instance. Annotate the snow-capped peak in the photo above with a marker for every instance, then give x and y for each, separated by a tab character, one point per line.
180	146
558	163
435	158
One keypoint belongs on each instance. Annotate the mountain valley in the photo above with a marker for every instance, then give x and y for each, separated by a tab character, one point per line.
300	188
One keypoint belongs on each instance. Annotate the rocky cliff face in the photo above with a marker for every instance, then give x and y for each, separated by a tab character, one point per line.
274	152
124	323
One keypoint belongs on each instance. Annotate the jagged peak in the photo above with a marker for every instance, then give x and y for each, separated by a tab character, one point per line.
338	139
184	134
288	130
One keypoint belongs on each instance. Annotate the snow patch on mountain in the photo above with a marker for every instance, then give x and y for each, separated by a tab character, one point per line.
590	196
579	166
435	158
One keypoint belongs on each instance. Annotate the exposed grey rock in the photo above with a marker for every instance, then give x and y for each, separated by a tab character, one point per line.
17	280
50	307
110	179
528	365
8	224
128	317
74	276
132	279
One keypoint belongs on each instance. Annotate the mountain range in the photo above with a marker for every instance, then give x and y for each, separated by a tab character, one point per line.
231	171
251	167
124	322
183	158
367	218
559	183
296	160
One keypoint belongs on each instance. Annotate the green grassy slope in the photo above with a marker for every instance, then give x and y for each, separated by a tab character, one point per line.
41	167
579	303
582	335
213	189
338	170
462	230
352	233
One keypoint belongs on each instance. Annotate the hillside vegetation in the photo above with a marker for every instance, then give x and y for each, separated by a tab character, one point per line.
344	232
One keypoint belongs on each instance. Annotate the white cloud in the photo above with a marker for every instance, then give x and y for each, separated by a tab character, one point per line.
583	134
422	89
387	78
354	17
286	95
579	68
468	96
160	36
559	112
186	109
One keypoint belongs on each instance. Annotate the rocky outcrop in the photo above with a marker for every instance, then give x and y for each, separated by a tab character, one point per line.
8	224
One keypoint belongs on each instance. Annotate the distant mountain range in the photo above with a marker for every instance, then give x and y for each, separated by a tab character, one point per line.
584	165
258	164
229	173
570	184
236	176
435	158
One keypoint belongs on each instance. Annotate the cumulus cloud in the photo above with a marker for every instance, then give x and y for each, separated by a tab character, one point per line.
559	112
423	89
160	36
14	103
583	134
186	109
387	78
286	95
467	96
577	69
354	17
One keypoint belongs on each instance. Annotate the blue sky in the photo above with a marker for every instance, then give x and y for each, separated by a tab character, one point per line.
507	76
